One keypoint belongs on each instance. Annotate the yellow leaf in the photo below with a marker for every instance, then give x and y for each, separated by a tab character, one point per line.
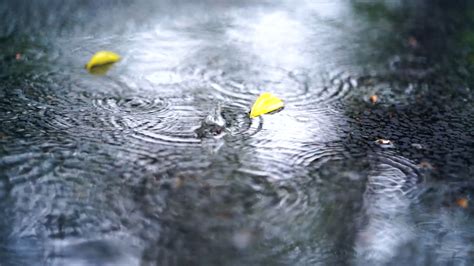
265	104
102	58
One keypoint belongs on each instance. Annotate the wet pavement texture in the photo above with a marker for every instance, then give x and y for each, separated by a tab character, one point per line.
157	162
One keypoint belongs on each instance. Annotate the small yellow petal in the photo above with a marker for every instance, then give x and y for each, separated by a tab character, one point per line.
102	58
265	104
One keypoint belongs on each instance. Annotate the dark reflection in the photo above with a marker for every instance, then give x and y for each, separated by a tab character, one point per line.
158	163
100	70
424	114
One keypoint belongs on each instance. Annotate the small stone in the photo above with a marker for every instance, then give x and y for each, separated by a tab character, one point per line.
417	146
384	143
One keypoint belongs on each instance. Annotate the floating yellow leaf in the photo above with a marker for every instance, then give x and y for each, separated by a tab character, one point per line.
265	104
102	58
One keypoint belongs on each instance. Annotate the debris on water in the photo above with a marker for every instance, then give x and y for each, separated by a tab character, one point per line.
412	42
462	202
17	56
102	60
425	165
178	182
391	114
384	143
417	146
374	98
266	103
213	124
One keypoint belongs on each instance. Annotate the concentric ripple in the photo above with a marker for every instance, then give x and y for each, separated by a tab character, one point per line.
120	168
299	87
239	125
135	105
390	191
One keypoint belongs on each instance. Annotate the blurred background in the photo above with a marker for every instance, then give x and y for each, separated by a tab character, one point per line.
371	161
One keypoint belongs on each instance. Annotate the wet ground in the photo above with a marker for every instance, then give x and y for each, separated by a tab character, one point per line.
123	169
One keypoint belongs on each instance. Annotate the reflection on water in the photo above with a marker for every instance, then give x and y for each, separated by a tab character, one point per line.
158	163
386	203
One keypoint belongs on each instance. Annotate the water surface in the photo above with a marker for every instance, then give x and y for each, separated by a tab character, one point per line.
116	169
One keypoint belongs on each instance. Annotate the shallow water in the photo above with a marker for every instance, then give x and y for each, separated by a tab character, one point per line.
121	170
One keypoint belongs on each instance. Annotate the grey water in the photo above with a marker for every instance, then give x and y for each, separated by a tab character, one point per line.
158	163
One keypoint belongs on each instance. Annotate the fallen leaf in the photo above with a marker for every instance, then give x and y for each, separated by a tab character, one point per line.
374	98
425	165
102	59
462	202
265	104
